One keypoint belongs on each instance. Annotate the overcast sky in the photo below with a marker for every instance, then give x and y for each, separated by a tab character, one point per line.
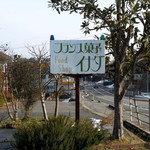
32	22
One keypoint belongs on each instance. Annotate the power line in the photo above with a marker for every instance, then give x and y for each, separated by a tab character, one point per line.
27	46
21	47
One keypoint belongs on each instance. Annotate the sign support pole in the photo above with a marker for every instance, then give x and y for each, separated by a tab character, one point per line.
77	106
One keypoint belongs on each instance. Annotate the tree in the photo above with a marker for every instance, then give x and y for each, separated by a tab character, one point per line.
19	77
24	82
6	102
125	40
40	54
5	60
58	89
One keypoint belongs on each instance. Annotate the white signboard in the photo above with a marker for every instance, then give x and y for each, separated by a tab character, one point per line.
77	57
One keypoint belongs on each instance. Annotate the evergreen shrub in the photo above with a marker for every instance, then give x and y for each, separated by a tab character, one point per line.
58	134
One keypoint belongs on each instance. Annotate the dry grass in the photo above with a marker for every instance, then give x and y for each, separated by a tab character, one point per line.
129	138
109	120
129	142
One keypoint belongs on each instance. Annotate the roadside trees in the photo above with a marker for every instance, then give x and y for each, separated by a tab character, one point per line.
41	55
3	94
58	89
5	61
24	82
125	40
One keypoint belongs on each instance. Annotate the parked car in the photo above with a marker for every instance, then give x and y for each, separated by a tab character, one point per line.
65	96
110	86
145	94
95	86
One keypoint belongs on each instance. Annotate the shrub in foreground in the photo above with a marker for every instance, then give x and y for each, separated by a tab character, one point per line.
58	134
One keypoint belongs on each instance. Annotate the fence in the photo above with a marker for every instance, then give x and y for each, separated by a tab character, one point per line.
142	116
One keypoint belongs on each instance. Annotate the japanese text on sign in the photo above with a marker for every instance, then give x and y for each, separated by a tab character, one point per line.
77	57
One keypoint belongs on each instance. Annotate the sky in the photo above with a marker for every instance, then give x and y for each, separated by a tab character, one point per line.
31	22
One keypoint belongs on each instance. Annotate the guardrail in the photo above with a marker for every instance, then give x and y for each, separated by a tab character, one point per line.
91	96
133	104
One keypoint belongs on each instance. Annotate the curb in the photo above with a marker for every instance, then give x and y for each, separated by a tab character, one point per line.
92	111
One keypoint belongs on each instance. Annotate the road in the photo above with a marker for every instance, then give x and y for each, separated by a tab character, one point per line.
106	96
65	108
103	95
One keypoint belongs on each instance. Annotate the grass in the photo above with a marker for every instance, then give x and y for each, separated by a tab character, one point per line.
129	138
130	141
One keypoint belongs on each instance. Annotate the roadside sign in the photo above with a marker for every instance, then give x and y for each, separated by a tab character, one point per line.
77	56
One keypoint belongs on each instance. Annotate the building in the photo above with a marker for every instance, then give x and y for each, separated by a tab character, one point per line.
4	65
67	84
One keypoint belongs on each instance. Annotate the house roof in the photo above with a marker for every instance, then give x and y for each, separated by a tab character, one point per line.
4	58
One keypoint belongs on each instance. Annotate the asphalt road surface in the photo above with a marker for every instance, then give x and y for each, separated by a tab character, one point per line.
104	95
65	108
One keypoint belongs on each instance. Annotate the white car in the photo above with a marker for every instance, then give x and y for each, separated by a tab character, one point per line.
110	86
143	95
